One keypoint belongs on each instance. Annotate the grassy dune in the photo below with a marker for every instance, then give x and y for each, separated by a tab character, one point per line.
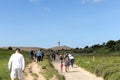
107	67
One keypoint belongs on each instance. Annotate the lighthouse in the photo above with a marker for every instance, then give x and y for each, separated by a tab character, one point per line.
59	44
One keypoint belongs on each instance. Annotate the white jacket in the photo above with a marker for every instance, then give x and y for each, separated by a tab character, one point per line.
16	61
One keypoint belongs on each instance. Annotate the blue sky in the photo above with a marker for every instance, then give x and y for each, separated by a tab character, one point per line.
42	23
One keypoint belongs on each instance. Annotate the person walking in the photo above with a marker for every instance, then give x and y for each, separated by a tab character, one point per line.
71	60
67	63
42	55
61	58
31	54
39	55
61	66
61	62
53	56
16	65
35	56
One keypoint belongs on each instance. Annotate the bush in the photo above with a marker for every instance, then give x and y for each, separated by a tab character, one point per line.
10	48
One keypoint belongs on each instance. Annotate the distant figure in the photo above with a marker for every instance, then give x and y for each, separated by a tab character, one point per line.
35	55
67	63
31	54
39	55
16	65
65	56
61	58
71	60
53	56
61	66
42	56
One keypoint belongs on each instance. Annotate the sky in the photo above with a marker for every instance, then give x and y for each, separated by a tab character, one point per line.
42	23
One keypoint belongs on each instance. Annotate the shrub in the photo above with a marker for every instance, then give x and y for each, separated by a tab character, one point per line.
10	48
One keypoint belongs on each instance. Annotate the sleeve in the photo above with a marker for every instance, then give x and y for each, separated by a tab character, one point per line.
23	63
9	63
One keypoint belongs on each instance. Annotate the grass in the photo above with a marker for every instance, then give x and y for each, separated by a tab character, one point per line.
107	67
35	76
49	71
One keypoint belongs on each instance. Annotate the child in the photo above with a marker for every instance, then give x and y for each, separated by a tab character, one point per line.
61	66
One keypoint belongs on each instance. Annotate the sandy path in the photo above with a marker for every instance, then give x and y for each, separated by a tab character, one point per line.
33	68
75	73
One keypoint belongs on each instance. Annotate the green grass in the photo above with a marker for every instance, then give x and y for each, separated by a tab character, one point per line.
35	76
4	58
49	70
107	67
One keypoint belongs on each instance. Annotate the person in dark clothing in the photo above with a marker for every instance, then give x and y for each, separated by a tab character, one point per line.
39	55
71	60
35	55
53	56
67	63
61	58
42	56
31	54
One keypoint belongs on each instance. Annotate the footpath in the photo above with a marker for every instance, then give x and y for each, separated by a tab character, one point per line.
75	73
33	68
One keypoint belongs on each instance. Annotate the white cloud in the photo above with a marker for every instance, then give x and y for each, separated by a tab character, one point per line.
94	1
34	0
98	1
85	1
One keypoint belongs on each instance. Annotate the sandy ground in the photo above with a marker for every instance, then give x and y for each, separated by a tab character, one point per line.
32	68
75	73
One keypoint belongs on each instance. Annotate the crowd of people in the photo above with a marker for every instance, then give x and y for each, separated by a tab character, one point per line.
66	60
36	55
16	62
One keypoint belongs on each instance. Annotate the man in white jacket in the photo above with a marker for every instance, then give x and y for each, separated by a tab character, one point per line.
16	64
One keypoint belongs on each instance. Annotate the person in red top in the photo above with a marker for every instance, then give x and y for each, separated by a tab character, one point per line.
61	66
61	62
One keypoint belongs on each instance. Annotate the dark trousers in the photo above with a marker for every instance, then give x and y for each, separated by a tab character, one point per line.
38	58
72	62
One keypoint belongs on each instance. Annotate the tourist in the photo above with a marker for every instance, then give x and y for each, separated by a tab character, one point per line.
71	60
16	65
61	66
67	63
39	55
31	54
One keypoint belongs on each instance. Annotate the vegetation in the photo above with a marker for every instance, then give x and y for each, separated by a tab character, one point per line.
107	67
4	57
49	71
100	59
10	48
35	76
110	47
